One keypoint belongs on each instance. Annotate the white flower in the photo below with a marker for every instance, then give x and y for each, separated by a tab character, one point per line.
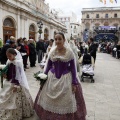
2	66
42	76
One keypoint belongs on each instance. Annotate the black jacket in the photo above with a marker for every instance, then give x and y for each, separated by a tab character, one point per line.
3	53
93	50
40	46
22	50
86	59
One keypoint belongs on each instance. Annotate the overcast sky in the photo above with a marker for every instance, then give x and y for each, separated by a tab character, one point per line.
77	5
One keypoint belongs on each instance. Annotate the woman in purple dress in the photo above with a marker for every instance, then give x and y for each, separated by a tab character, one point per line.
15	100
61	97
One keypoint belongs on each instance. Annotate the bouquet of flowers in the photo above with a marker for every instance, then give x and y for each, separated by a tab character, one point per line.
3	71
40	77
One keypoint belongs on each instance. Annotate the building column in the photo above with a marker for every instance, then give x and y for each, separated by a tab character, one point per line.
42	35
26	28
51	33
1	24
18	28
21	26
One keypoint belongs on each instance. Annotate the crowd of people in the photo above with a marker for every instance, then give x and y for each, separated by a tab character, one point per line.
27	48
112	48
61	96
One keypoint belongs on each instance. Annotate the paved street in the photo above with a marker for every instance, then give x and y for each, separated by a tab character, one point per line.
102	97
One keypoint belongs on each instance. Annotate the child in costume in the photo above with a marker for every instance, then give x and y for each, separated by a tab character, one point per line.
61	97
15	100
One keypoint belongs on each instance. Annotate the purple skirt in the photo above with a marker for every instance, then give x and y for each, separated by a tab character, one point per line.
80	114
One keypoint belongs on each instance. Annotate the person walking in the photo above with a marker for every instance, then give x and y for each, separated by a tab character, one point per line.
61	97
40	50
32	53
15	99
92	48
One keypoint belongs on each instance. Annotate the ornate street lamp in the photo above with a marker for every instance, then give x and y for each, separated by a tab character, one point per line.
40	25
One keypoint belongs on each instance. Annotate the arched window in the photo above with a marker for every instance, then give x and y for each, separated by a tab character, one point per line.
46	31
8	23
106	24
54	34
8	29
32	28
32	32
87	26
46	34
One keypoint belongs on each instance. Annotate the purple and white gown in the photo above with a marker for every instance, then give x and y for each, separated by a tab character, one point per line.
56	101
15	105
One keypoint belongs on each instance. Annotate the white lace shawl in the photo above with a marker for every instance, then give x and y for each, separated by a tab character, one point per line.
20	74
64	58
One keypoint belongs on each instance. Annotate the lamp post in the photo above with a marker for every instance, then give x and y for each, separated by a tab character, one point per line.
71	37
40	25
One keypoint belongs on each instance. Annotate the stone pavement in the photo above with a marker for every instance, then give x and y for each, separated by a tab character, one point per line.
102	97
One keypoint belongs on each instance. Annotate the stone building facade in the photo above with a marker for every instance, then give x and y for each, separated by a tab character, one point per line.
75	31
19	18
73	27
101	16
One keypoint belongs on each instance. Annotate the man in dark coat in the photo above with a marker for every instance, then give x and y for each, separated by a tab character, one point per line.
92	48
4	49
32	53
40	50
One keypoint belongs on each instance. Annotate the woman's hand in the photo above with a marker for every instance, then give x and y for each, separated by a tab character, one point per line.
73	88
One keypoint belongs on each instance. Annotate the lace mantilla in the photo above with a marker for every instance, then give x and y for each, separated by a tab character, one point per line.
64	58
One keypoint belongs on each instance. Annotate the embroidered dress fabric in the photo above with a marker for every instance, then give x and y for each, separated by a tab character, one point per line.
60	68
